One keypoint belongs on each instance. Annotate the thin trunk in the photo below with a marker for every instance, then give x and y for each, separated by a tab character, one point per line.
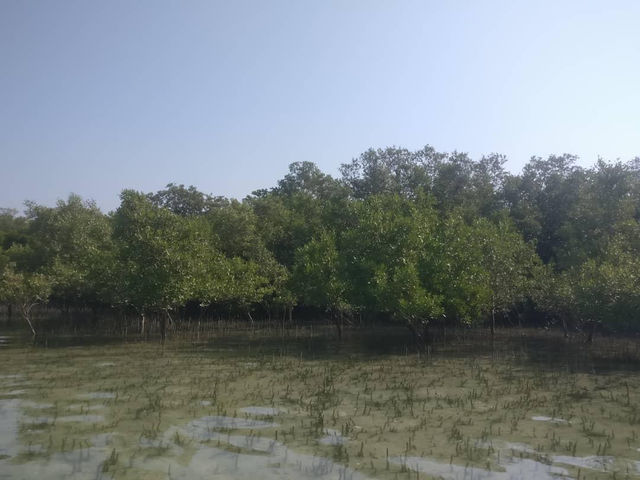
26	313
33	330
493	322
591	331
9	314
142	322
163	326
422	336
426	335
70	319
564	327
338	324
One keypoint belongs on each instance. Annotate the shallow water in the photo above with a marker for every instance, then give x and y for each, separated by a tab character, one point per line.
512	469
262	411
297	408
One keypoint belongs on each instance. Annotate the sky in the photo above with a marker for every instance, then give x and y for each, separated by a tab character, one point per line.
96	96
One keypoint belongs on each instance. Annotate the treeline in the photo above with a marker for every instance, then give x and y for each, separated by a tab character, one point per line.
420	238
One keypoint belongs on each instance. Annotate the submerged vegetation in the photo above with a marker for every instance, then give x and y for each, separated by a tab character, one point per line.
253	406
420	239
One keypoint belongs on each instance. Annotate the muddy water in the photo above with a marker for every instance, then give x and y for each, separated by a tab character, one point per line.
297	408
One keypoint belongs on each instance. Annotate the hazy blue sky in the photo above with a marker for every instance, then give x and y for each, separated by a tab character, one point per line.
96	96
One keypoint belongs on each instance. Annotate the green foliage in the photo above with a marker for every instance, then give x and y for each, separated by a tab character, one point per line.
184	201
72	244
607	289
456	271
23	288
318	274
453	179
254	275
508	262
415	237
306	178
160	255
389	234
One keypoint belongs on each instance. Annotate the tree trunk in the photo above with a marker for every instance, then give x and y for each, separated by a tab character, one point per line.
94	317
9	314
26	313
564	327
142	322
591	331
426	335
493	322
422	336
338	324
70	319
163	326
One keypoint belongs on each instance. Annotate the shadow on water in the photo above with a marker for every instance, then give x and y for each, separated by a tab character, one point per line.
539	349
542	349
319	345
